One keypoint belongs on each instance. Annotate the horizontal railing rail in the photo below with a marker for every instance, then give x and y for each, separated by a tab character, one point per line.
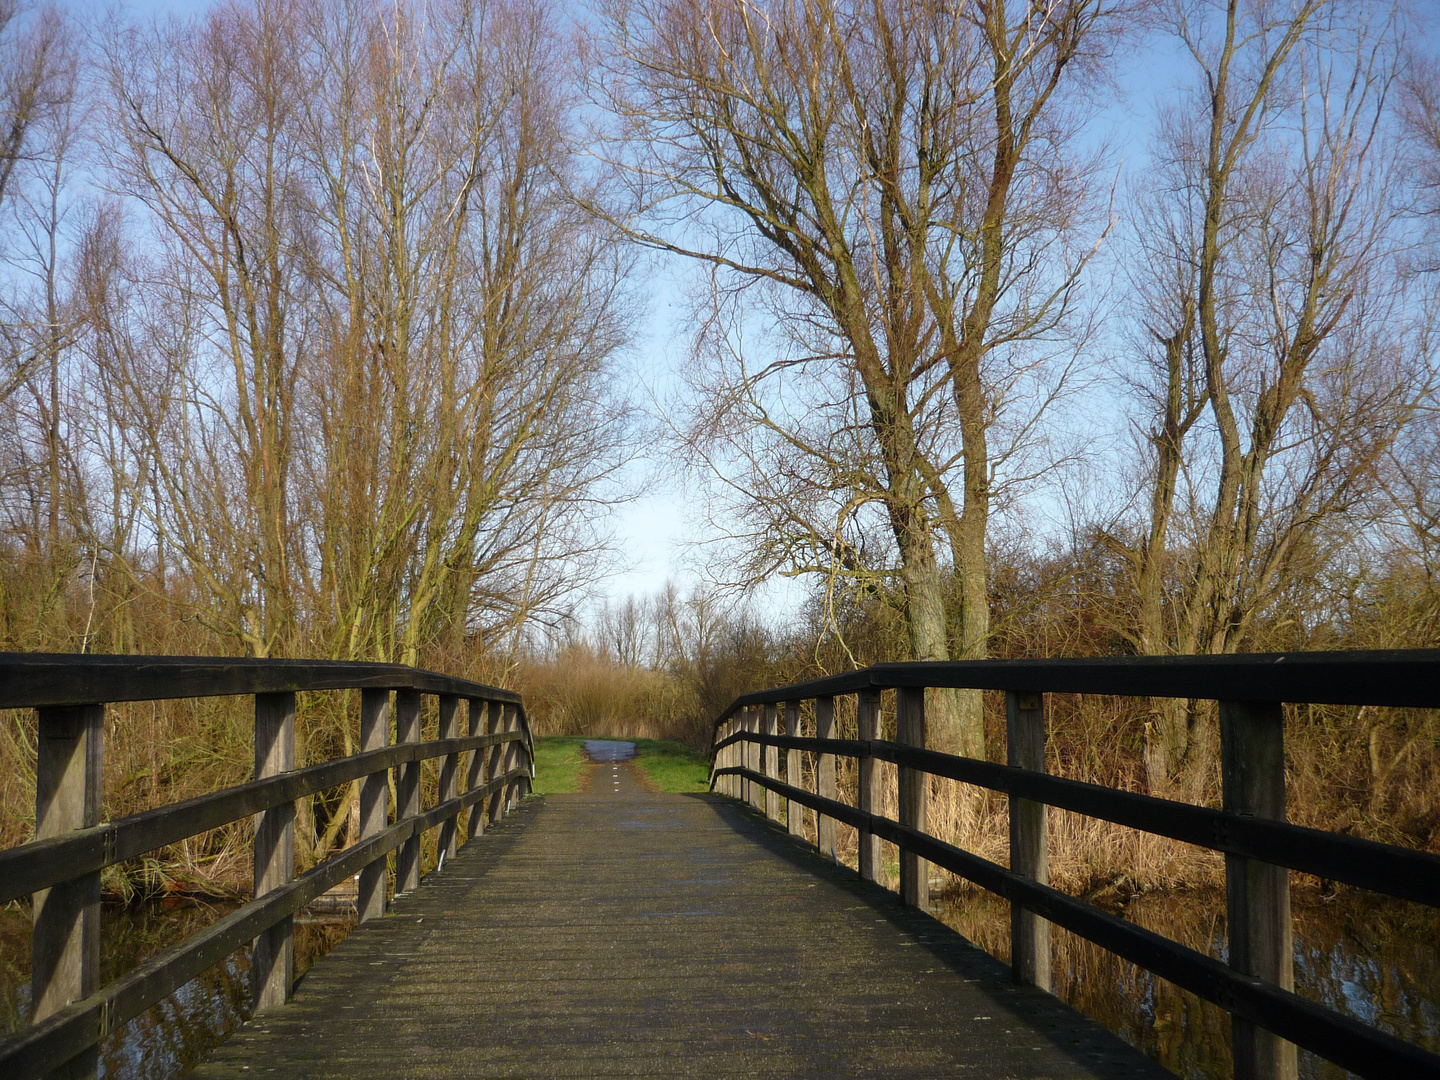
61	868
1256	985
42	863
1390	677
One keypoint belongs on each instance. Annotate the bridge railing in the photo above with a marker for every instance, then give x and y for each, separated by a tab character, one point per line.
61	867
1256	986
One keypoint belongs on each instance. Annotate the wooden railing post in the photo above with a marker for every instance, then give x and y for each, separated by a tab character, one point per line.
475	774
407	789
868	795
825	774
1252	773
446	842
374	801
514	752
722	757
272	965
914	795
1025	749
742	756
772	762
496	721
65	941
753	758
500	801
794	811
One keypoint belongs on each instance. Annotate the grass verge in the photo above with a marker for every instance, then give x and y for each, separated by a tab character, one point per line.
560	765
670	766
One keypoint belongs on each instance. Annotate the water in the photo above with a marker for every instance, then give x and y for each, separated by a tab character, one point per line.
174	1035
609	750
1369	957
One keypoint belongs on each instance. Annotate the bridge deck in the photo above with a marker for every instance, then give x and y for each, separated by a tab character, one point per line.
622	933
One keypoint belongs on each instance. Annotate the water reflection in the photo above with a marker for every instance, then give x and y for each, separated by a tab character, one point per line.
1369	957
176	1034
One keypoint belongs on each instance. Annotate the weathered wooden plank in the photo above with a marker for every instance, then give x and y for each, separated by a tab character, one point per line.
825	774
868	793
914	796
27	868
1252	774
33	680
449	787
272	963
65	941
772	761
1401	872
1029	852
794	812
1396	677
499	761
374	797
407	788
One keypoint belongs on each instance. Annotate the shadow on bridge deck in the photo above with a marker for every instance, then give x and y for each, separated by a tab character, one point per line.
621	933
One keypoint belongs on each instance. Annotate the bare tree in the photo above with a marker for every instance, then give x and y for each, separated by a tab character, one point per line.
203	117
462	426
890	196
1278	361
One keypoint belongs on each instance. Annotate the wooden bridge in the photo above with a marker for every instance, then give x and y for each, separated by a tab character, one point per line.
625	933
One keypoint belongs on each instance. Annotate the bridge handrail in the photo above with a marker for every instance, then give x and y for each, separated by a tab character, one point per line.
61	868
1250	829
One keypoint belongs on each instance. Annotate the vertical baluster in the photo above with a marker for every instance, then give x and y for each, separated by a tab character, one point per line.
475	721
913	795
1025	749
65	941
407	789
495	720
772	762
514	753
374	800
825	774
737	758
754	760
272	967
794	811
446	842
1252	769
719	782
498	763
522	789
868	796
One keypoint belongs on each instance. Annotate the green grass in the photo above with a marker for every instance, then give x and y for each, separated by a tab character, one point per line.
561	765
671	766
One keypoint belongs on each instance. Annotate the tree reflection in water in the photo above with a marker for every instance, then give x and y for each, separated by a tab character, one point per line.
1370	957
178	1033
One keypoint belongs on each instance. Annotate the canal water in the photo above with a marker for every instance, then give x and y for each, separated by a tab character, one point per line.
1375	960
177	1034
1372	958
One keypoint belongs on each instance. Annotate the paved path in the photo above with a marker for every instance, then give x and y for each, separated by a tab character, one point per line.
621	933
